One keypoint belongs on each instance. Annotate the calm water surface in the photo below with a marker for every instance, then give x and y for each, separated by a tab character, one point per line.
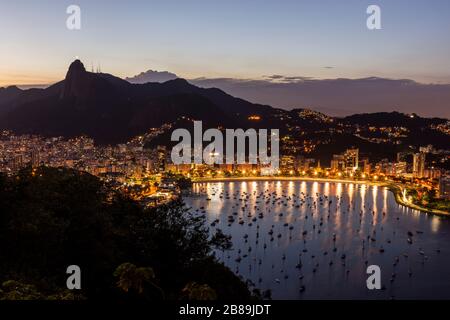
313	240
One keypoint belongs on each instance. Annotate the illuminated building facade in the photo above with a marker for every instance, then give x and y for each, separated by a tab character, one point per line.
419	165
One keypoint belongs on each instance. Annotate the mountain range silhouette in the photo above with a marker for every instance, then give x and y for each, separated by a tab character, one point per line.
112	110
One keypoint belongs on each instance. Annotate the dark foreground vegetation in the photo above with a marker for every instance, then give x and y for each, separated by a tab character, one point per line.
53	218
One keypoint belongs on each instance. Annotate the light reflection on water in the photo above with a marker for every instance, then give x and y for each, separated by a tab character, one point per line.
363	218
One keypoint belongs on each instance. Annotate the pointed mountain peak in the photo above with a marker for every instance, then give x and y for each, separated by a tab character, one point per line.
77	64
76	82
76	67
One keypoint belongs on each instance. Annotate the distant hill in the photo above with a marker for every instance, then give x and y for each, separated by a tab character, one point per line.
7	97
12	97
340	97
390	119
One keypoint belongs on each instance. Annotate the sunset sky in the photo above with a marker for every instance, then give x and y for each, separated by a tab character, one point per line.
233	38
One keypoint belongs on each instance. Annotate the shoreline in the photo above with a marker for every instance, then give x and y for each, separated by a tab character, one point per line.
398	198
321	180
392	187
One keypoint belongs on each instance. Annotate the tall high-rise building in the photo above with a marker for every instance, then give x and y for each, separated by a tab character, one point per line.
17	163
366	166
287	163
35	158
161	150
299	163
338	162
351	158
419	165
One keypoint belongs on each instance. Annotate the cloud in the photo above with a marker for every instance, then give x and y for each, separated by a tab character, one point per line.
274	77
152	76
286	79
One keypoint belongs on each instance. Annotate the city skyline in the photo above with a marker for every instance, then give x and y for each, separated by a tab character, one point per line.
133	167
